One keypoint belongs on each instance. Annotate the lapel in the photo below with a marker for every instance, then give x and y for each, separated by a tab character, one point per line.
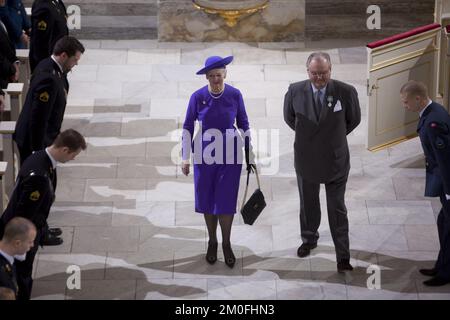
424	115
308	99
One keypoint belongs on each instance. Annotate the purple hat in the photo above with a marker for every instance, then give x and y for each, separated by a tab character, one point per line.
215	62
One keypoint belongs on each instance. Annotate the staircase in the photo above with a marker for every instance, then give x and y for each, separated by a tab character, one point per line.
115	19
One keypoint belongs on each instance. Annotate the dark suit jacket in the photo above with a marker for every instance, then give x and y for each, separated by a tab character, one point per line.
7	59
42	114
434	132
34	193
8	277
320	148
48	25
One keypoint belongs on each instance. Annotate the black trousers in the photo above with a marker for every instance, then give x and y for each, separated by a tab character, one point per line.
443	225
310	213
24	271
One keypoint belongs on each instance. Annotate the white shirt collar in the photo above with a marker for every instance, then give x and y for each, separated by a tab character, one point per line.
421	112
8	257
54	59
323	90
54	162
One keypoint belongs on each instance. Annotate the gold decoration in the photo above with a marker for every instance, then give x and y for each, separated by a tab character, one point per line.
34	196
232	15
42	25
44	96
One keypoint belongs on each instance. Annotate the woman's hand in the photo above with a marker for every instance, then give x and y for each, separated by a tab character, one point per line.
185	168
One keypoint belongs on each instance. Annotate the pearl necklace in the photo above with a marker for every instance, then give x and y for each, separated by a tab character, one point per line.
216	97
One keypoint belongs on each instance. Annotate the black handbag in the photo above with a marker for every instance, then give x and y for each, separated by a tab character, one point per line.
254	206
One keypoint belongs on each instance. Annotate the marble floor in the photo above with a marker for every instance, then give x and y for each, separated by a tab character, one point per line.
127	211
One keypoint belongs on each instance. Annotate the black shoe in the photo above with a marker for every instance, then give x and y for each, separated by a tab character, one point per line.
428	272
343	266
230	259
56	232
436	282
305	249
211	253
50	240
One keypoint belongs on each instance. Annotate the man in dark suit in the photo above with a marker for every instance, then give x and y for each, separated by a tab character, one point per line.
42	114
434	132
9	64
48	25
322	112
34	195
17	240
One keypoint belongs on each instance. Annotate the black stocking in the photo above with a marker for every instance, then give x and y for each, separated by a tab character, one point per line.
226	221
211	224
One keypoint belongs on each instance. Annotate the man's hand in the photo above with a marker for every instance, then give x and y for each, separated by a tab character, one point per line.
15	77
25	39
447	197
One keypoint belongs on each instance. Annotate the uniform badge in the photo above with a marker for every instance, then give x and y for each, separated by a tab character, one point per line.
34	196
8	268
44	96
42	25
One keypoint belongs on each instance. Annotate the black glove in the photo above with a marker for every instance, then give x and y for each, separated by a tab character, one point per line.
250	159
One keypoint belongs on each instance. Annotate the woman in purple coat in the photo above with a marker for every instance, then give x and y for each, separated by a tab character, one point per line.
217	152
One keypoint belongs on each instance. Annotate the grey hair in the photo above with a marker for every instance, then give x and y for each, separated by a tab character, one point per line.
318	55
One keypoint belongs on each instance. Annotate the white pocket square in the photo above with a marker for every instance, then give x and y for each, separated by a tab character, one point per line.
337	106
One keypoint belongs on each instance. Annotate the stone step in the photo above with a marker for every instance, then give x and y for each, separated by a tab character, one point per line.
115	20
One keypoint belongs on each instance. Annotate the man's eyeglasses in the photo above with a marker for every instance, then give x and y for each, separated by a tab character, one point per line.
319	74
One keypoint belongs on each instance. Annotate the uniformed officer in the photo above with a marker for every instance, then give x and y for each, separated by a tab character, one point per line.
42	114
17	240
34	195
48	25
434	132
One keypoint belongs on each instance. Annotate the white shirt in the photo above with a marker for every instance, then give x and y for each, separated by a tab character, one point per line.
323	90
54	59
54	162
8	257
421	112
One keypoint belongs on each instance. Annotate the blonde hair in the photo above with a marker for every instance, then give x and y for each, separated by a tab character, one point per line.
415	88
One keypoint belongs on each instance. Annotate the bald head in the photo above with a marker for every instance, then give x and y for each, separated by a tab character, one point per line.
18	229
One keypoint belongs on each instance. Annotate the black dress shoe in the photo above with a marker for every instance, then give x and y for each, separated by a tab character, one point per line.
343	266
305	249
428	272
436	282
50	240
228	254
211	253
55	231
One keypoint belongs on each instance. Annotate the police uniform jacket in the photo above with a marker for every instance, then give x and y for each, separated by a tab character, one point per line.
49	24
434	132
34	192
7	275
42	114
